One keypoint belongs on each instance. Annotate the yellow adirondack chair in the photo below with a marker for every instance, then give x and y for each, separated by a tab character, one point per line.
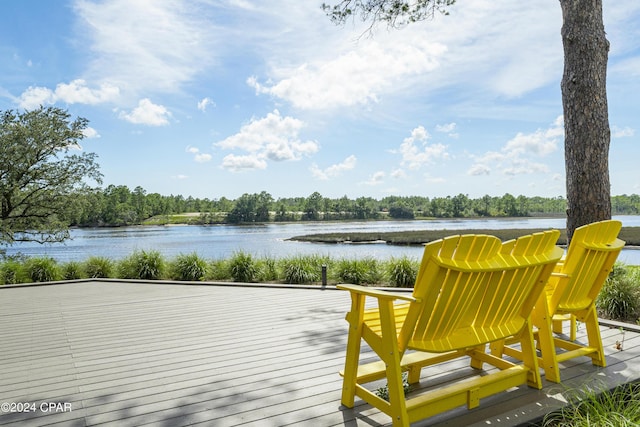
468	293
571	294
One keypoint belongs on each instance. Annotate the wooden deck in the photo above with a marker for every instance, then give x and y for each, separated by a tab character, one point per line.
133	354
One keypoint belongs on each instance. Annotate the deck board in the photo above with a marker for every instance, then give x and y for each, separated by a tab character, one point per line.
132	354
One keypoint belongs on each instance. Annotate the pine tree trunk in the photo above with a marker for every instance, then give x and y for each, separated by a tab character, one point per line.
586	117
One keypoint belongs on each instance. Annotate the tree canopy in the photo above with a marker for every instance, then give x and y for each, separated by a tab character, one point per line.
42	168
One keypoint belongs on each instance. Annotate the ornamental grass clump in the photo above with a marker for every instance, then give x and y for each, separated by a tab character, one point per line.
218	269
71	270
42	270
143	265
302	269
98	267
402	272
619	298
267	269
358	271
12	272
189	267
619	407
242	267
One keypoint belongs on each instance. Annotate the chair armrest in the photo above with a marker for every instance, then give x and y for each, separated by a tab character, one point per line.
377	293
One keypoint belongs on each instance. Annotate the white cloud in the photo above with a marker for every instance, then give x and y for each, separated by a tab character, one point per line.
180	177
449	129
204	103
334	170
417	152
147	113
376	178
352	78
198	156
446	128
273	137
75	92
517	156
236	163
398	173
90	132
617	132
146	46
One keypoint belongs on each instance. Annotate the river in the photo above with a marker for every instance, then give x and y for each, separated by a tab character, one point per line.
221	241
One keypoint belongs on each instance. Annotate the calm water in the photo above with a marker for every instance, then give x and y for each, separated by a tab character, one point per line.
221	241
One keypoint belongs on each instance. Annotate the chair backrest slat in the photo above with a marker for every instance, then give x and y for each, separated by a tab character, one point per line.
592	252
474	290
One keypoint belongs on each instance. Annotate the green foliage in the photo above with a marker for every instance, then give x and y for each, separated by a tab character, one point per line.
42	270
242	267
267	269
358	271
143	265
40	178
383	392
620	296
12	272
71	270
99	267
218	270
302	269
402	272
189	267
619	407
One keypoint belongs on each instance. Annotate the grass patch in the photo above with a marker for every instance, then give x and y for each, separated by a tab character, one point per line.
590	407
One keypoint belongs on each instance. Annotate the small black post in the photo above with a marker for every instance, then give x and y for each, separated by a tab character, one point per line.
324	275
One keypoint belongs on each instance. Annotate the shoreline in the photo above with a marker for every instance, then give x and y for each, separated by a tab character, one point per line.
631	235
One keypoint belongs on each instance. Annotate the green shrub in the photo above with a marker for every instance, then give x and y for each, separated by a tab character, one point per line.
42	270
358	271
71	270
218	270
12	272
267	270
242	267
402	272
143	265
189	267
619	298
98	267
302	269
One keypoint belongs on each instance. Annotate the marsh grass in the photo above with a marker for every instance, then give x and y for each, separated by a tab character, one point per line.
188	267
42	269
143	265
303	269
71	270
591	407
98	267
359	271
402	272
620	296
242	267
12	272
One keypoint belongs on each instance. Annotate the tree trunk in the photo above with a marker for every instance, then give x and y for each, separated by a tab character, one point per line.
586	117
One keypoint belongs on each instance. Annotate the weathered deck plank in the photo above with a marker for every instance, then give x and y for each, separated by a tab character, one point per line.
123	353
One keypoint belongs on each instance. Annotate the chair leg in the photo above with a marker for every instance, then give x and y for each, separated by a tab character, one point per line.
352	358
542	319
594	337
392	356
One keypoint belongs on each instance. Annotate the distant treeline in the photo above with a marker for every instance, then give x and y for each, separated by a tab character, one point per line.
118	205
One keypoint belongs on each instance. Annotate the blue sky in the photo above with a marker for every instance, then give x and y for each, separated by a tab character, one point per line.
213	98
